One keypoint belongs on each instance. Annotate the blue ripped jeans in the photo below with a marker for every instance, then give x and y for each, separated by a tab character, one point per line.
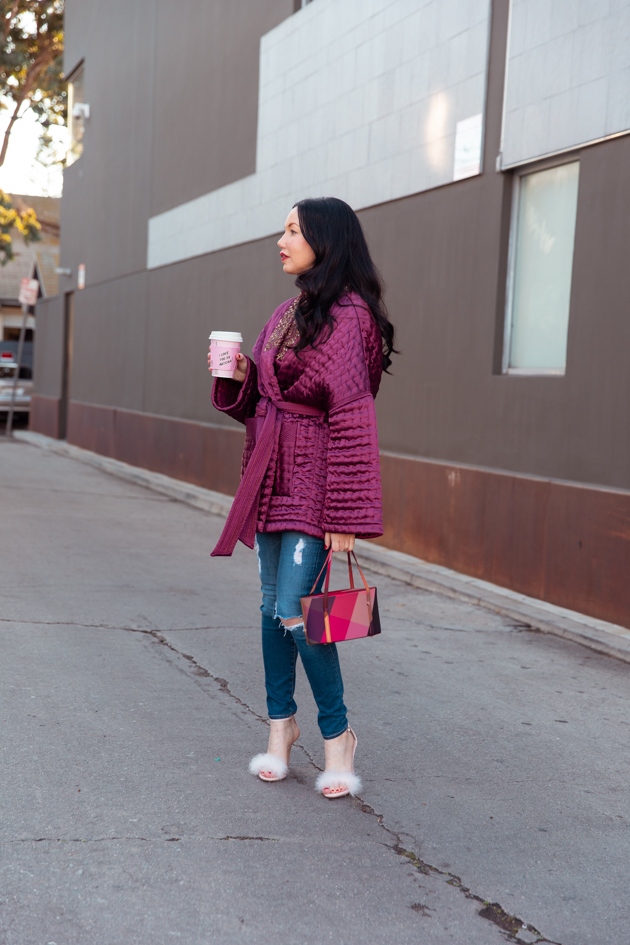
288	563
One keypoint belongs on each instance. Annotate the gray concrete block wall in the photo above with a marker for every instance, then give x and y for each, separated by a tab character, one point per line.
360	100
567	76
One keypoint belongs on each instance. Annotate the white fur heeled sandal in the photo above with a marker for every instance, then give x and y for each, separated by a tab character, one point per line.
270	767
334	778
268	763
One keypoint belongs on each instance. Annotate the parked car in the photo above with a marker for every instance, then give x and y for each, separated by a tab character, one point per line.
8	367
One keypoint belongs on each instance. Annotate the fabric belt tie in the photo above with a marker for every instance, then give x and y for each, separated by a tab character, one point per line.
242	520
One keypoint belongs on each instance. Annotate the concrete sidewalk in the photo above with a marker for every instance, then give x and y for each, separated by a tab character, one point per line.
494	759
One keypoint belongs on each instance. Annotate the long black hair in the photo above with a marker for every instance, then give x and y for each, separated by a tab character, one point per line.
342	264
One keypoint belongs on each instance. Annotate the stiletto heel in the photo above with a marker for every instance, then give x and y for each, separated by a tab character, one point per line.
346	779
270	764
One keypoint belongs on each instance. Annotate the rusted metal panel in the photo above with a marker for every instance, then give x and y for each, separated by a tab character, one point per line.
92	428
45	415
587	551
208	456
561	542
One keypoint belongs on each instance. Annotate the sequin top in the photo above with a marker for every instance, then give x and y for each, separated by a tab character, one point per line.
285	335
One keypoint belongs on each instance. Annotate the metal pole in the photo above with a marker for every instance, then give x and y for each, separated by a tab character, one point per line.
18	368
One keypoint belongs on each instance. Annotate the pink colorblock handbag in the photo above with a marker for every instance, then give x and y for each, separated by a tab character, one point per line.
340	615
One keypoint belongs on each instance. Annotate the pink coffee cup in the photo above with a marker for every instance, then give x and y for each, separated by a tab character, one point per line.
224	346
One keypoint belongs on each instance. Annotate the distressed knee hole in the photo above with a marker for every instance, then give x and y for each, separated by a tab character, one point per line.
292	623
297	554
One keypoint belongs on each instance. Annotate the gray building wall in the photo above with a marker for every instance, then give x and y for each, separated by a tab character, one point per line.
141	337
173	114
567	77
48	363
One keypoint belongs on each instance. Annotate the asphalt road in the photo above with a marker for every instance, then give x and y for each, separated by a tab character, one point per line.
494	760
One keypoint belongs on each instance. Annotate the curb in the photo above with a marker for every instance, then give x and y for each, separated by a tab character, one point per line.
598	635
217	503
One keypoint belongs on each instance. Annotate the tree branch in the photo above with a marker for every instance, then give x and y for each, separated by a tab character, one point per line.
38	65
33	60
9	129
9	19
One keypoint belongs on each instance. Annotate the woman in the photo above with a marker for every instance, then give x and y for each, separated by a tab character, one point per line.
311	475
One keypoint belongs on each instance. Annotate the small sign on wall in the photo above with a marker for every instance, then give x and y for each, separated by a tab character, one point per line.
468	147
29	290
81	276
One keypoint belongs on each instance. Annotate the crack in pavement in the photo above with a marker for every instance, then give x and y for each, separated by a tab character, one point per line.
105	626
144	839
68	623
492	911
73	839
201	671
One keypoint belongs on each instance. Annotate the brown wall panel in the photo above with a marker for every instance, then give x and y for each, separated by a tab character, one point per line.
557	541
234	290
141	342
107	192
45	415
109	342
175	119
444	279
205	455
49	340
207	61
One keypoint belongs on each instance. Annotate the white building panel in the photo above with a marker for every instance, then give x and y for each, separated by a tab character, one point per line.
358	99
567	76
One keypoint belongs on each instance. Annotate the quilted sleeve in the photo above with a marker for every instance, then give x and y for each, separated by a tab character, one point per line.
353	503
237	400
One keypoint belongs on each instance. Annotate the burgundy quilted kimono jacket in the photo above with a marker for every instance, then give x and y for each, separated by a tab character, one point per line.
311	460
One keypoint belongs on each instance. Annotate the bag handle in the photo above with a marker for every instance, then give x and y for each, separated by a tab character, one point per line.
365	583
368	597
328	562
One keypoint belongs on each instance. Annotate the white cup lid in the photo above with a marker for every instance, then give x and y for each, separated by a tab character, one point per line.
226	336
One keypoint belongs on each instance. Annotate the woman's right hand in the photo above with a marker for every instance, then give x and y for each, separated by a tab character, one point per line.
240	372
241	368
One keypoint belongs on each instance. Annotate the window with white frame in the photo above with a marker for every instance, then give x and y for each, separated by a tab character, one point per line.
541	261
78	111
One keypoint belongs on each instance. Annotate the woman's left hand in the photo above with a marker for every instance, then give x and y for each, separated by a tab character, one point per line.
339	542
